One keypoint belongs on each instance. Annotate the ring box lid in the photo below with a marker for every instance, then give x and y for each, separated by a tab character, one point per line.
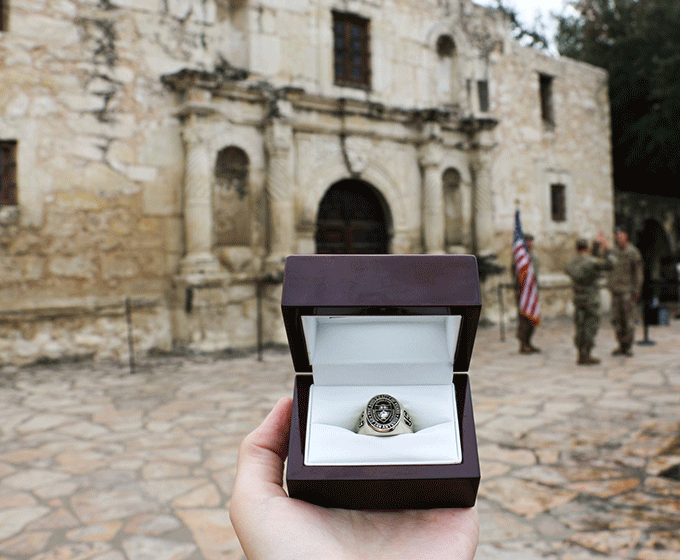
366	318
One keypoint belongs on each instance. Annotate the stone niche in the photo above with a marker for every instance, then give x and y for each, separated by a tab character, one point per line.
231	208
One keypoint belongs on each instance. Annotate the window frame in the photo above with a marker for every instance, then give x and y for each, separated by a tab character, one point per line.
349	22
483	96
546	92
549	177
558	202
4	16
9	191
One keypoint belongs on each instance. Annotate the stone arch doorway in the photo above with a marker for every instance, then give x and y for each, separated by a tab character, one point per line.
653	243
353	218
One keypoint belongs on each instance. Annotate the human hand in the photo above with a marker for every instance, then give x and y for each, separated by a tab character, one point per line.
602	240
272	526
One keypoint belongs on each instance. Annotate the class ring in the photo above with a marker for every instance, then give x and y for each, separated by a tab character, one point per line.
384	416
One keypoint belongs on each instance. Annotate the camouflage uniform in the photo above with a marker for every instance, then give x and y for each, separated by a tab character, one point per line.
584	272
625	284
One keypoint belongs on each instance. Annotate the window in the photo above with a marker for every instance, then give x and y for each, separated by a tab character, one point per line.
446	47
558	202
351	50
8	173
483	94
4	15
546	92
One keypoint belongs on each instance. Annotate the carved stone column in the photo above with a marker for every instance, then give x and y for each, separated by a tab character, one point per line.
198	214
433	198
482	200
280	190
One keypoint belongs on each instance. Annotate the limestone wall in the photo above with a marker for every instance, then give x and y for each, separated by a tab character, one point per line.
575	152
103	139
100	165
290	43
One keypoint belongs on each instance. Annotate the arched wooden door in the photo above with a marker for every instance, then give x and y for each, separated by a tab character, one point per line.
353	218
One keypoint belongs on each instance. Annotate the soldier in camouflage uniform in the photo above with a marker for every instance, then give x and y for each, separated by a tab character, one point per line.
585	271
625	284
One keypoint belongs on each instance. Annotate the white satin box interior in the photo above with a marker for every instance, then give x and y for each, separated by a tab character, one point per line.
354	358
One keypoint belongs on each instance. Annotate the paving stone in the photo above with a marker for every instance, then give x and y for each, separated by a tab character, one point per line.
34	478
98	464
59	518
206	495
213	533
152	524
95	532
16	499
114	504
5	469
605	488
164	469
26	544
524	498
44	422
143	548
14	519
611	543
79	551
167	489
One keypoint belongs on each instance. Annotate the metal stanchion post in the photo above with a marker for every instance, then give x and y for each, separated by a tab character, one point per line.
645	326
259	319
502	311
131	349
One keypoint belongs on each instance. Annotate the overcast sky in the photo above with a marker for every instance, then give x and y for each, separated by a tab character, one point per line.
528	9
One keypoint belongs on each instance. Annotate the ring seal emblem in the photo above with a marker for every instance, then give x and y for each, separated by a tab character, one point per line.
384	416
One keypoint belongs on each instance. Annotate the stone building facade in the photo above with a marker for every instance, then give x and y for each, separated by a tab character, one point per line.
165	156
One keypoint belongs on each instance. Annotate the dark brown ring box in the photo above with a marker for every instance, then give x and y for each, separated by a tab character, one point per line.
346	285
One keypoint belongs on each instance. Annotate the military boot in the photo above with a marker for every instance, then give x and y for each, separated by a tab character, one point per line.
585	359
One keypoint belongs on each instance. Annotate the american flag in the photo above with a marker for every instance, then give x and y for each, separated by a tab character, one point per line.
528	290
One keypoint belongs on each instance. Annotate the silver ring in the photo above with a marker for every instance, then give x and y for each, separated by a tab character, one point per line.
384	416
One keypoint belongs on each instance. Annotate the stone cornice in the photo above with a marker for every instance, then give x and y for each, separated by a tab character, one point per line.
234	85
472	125
187	78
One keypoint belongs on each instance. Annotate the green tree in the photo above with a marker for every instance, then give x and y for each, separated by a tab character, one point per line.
638	43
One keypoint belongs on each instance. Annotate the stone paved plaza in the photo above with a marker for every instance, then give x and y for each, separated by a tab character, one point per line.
578	463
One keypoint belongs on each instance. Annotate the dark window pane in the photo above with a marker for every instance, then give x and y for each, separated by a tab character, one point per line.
546	92
483	92
351	54
8	173
3	15
558	202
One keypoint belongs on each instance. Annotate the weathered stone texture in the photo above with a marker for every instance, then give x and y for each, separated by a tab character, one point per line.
120	109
